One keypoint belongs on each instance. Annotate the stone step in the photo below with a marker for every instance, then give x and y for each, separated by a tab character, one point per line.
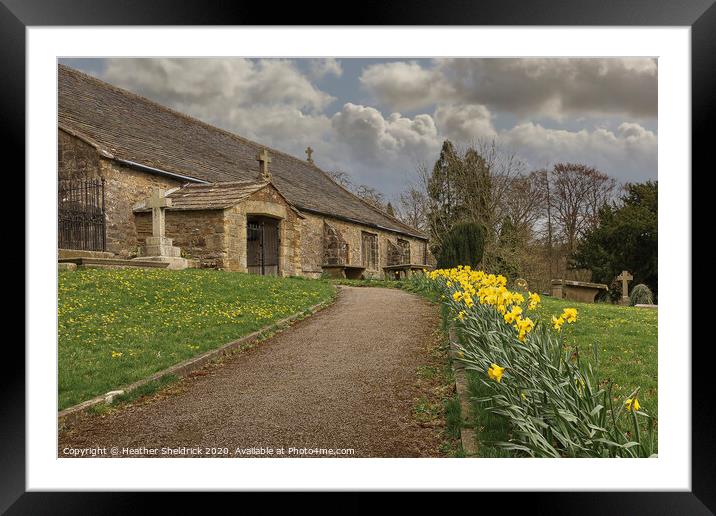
113	263
79	253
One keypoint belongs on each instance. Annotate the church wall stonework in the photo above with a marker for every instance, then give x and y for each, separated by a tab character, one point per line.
217	238
124	187
312	244
201	234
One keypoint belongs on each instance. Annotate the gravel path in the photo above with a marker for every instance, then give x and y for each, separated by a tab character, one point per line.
344	378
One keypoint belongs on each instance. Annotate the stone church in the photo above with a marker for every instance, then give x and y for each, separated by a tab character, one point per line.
227	202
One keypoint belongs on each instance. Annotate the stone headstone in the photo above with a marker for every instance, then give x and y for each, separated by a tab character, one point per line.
625	278
158	247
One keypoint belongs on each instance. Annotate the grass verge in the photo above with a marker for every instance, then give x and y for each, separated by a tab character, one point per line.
438	406
117	326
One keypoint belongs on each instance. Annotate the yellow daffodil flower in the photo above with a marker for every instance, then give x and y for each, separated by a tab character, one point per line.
557	322
632	404
570	315
495	372
534	301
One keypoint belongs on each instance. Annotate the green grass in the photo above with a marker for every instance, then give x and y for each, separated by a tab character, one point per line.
118	326
626	340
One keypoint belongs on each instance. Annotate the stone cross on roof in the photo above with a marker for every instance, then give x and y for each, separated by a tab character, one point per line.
625	278
158	202
264	159
309	152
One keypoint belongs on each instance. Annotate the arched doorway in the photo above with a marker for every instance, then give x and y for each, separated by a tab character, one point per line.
262	245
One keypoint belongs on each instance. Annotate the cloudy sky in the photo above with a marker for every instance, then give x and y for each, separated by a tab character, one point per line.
377	119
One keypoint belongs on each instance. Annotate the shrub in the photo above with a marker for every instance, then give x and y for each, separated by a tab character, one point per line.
641	295
553	402
463	244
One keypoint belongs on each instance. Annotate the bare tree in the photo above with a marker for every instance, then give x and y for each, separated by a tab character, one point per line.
413	207
342	178
371	196
577	193
524	201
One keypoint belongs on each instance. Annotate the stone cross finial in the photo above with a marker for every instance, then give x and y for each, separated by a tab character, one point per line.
309	152
625	278
158	202
264	159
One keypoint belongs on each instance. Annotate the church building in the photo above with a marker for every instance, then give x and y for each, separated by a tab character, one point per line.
225	201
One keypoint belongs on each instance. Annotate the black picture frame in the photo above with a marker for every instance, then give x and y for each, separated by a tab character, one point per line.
700	15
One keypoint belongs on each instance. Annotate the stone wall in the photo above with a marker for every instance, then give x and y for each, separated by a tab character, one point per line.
312	244
199	233
124	187
75	158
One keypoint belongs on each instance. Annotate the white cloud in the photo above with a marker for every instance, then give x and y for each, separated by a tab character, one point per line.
370	135
536	87
234	81
464	123
405	86
320	68
382	151
630	153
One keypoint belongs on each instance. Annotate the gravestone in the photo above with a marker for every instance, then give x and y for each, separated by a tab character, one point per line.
581	291
158	247
625	278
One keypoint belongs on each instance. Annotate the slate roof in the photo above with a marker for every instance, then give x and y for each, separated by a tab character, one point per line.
211	196
128	127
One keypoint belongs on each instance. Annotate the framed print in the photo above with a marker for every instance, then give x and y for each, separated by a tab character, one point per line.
419	252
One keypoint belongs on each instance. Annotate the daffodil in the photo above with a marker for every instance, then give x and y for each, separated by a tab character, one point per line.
495	372
632	404
534	301
524	326
570	315
557	322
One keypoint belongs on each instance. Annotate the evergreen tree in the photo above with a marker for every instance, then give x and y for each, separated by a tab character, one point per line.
624	238
462	245
442	193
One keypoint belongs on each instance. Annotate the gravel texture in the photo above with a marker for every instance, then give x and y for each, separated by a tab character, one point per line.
344	378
